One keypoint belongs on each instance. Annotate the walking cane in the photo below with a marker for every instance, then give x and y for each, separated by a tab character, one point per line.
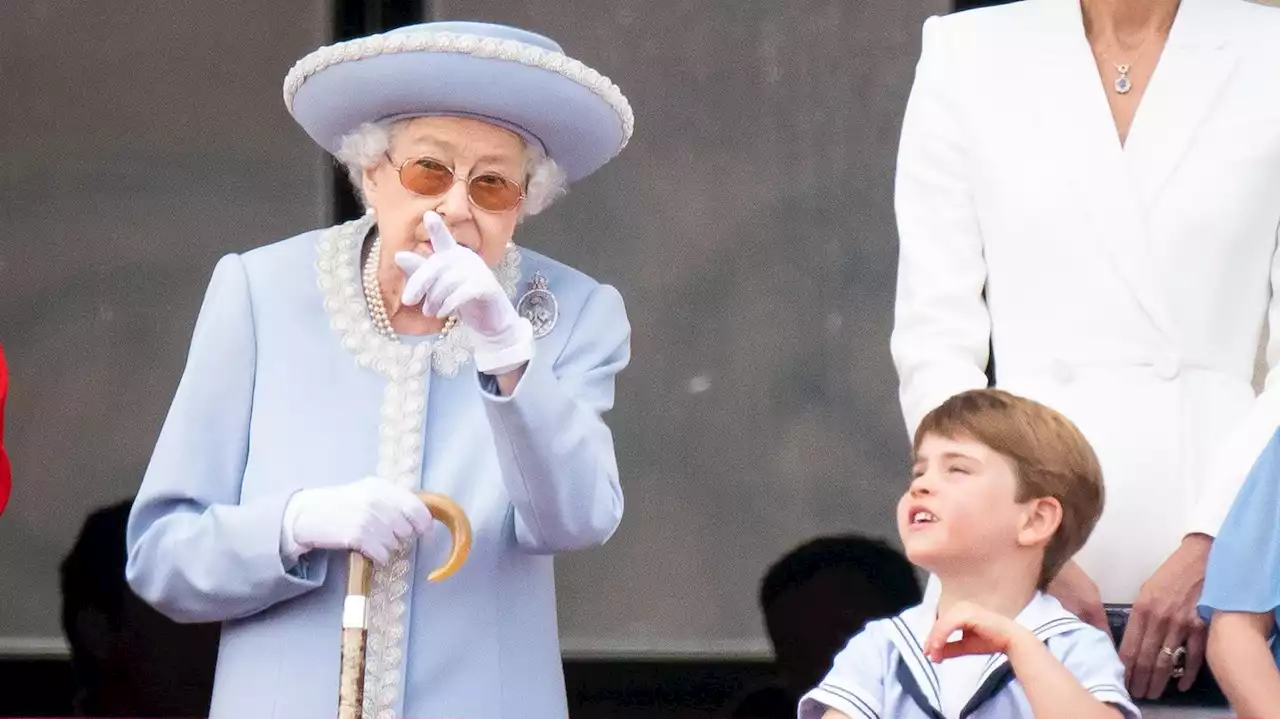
355	616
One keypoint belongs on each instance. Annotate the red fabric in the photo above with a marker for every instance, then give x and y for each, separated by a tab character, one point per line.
6	472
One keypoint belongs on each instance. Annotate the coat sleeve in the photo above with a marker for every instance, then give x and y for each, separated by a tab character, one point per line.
1235	456
941	333
554	448
196	552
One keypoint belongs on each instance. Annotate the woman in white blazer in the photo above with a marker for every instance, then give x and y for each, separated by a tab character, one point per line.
1093	190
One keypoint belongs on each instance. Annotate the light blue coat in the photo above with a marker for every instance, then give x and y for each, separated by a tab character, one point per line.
286	388
1243	573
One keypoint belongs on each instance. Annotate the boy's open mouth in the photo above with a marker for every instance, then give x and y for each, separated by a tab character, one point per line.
920	516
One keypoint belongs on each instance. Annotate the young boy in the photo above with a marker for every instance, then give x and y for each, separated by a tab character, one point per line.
1004	492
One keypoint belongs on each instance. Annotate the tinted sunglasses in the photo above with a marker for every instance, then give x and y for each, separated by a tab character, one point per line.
489	191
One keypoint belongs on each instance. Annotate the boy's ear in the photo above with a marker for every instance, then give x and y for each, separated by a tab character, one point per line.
1040	519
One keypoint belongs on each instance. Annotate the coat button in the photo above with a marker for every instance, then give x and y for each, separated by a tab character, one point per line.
1167	366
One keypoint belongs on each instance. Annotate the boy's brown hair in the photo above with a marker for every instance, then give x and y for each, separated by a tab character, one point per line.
1050	456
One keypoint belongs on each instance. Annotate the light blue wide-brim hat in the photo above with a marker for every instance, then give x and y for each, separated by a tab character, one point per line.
503	75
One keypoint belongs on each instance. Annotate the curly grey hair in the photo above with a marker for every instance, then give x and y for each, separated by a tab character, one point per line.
366	147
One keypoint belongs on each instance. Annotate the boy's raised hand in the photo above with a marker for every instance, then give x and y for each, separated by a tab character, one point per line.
982	632
1052	690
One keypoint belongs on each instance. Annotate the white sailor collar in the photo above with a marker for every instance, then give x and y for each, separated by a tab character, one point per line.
1044	616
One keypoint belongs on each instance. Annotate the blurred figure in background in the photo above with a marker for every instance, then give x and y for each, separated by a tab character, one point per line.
814	599
128	660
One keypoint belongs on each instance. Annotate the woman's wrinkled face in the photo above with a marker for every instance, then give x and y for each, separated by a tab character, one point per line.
469	148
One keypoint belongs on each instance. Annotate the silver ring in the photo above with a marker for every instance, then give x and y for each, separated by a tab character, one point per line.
1177	655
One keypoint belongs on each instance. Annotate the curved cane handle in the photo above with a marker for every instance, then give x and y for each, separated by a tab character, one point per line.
452	517
448	513
360	576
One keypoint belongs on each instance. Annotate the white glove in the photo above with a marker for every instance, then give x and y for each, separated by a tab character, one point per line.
455	280
372	516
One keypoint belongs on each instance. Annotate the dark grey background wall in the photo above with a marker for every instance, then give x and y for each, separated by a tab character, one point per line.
140	141
749	226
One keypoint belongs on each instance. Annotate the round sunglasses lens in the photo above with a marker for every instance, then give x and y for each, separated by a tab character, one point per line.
494	193
426	177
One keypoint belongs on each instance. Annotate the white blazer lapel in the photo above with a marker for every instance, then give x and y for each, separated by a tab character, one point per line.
1191	74
1070	103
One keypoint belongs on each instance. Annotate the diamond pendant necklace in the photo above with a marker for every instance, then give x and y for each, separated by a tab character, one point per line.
1122	84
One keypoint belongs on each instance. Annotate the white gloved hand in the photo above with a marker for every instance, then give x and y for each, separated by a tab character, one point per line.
456	280
371	516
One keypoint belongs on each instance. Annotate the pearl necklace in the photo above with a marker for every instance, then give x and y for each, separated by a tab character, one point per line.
373	296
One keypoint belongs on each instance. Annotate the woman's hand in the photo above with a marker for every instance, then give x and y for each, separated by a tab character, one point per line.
456	280
1080	596
1164	623
372	516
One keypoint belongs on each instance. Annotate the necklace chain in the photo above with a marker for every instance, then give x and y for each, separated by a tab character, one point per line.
1122	82
373	296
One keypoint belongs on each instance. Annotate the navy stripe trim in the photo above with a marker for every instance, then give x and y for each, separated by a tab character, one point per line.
1054	623
911	686
999	661
854	700
1039	632
923	661
989	689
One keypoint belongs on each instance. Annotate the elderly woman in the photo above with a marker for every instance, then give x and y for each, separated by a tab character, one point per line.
334	374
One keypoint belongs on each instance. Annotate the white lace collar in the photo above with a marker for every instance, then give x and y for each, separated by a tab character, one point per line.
338	274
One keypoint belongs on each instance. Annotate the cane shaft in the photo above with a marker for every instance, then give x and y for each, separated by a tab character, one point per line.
354	630
355	615
359	577
351	684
